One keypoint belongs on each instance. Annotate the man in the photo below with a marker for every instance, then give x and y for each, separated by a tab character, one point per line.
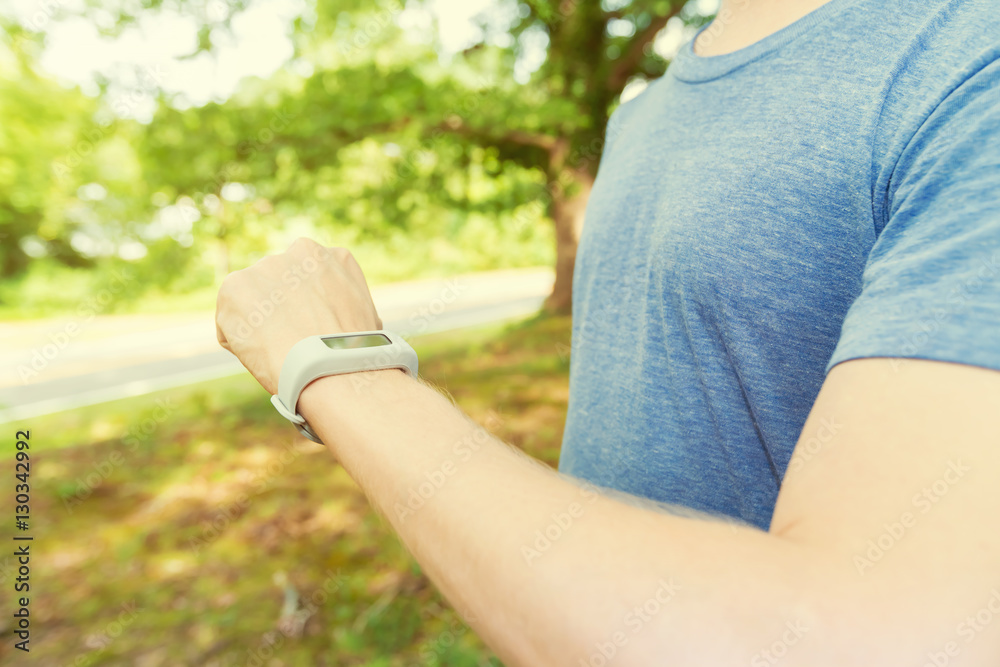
792	244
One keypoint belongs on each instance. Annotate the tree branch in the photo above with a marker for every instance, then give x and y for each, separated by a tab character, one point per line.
520	137
629	63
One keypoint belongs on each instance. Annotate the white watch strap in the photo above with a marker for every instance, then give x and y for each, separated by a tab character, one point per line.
311	359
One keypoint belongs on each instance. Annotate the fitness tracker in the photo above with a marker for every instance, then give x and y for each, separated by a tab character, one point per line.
318	356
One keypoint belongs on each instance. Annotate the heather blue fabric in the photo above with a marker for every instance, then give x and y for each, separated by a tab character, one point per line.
829	193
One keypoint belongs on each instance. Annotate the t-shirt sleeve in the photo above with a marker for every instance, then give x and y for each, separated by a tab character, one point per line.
931	285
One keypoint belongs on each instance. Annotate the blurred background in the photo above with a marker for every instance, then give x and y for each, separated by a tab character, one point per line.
150	147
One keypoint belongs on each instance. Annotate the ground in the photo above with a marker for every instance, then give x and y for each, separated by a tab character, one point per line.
196	527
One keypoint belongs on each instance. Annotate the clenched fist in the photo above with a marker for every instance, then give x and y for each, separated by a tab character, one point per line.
265	309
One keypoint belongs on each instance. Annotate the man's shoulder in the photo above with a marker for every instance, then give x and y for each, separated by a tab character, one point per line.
939	30
976	15
940	46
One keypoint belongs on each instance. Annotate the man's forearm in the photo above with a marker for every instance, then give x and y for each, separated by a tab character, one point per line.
547	571
554	574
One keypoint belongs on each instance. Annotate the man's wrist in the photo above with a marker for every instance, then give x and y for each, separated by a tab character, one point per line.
338	398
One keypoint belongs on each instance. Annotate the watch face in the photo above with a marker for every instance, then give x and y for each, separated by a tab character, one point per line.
354	342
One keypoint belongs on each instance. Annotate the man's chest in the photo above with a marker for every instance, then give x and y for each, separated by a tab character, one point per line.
748	204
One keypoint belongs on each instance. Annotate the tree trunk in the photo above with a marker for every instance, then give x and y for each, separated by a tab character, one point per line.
569	202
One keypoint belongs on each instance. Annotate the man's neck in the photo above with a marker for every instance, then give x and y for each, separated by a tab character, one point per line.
741	23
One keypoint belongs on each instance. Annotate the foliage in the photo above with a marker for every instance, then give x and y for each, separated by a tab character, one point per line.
369	134
39	119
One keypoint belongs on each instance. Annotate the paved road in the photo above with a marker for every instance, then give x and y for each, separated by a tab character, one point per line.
54	365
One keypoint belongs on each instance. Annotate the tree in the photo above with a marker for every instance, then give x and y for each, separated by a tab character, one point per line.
366	83
556	120
373	128
40	120
589	66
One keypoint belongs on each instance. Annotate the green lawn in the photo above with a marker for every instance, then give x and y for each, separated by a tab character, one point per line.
181	528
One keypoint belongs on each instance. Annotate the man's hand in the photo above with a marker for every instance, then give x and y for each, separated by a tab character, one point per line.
265	309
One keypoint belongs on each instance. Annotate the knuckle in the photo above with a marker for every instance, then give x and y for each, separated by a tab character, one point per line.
236	278
226	285
266	261
302	243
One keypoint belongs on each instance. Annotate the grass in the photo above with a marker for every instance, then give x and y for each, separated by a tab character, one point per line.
195	527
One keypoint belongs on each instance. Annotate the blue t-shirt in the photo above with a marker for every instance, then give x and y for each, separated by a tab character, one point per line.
829	193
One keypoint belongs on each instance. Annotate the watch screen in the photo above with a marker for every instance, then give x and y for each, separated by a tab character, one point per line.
354	342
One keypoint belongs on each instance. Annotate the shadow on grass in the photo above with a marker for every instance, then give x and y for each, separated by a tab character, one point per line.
194	526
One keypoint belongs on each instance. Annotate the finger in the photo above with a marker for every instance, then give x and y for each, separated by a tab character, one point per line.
303	246
353	269
219	335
